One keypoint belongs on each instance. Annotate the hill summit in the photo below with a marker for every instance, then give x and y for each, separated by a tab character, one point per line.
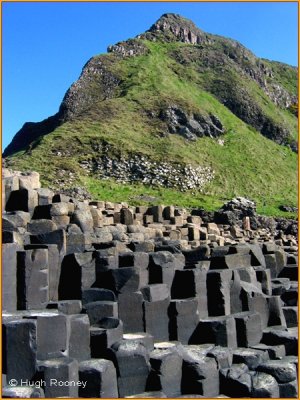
177	108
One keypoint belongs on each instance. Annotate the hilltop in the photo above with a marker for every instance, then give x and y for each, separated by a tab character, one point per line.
175	115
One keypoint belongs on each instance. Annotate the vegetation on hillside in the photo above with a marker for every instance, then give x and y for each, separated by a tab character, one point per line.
168	74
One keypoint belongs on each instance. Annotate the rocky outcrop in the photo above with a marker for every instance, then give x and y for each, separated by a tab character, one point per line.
175	27
128	48
106	300
139	168
191	126
240	102
29	135
96	83
223	67
236	210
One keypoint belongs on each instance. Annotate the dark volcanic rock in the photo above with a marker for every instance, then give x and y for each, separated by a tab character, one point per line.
145	301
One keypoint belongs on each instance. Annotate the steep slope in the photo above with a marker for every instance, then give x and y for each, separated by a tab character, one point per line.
175	108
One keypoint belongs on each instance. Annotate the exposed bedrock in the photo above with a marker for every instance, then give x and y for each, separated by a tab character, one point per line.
158	301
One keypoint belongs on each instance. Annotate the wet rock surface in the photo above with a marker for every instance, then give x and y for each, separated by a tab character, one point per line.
159	301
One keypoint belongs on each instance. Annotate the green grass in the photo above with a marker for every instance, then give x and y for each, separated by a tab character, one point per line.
247	165
110	190
285	75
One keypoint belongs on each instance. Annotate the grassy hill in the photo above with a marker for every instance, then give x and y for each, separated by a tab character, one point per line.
170	100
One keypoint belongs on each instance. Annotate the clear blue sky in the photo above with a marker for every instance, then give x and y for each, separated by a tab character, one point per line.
45	45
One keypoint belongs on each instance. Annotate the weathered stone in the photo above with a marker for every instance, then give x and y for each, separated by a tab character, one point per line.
84	219
104	334
14	220
213	228
78	327
134	259
157	212
98	310
289	389
218	292
79	268
217	330
126	216
142	338
20	349
133	366
156	318
105	260
254	300
276	316
97	217
57	237
264	278
9	184
248	328
44	196
162	267
290	297
282	371
69	307
257	256
274	352
222	355
131	311
33	279
192	257
155	292
60	370
199	373
60	197
168	212
236	381
9	277
231	261
97	294
208	289
12	237
289	271
236	303
122	280
291	316
165	375
183	319
251	357
54	344
54	269
29	180
264	385
37	227
23	200
100	377
191	283
23	392
273	336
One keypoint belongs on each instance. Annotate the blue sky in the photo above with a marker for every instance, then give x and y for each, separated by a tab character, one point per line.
45	45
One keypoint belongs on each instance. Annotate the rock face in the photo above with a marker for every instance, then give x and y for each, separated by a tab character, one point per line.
173	26
106	300
129	48
223	68
191	126
81	95
143	169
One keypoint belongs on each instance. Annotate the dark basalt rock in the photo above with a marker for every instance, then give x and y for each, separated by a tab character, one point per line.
114	300
191	126
175	27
